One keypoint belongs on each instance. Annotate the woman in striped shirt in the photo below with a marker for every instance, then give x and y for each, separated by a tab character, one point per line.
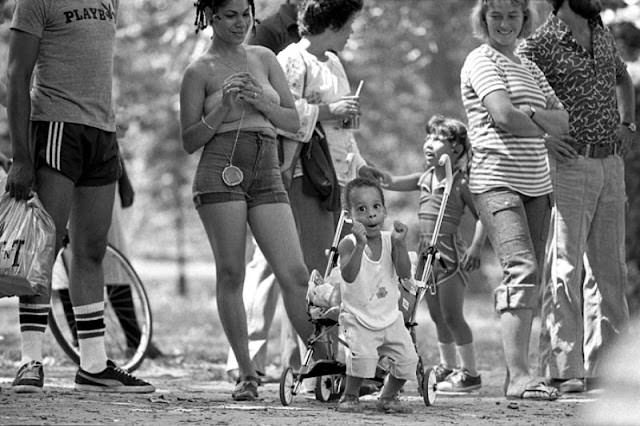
510	107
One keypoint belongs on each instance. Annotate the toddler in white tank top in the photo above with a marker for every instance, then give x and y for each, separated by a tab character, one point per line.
371	262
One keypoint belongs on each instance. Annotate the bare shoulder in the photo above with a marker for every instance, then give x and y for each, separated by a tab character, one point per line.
260	52
197	69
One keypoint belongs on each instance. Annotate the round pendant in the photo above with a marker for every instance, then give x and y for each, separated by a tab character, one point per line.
232	175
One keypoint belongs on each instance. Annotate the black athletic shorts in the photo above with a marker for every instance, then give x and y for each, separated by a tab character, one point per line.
87	155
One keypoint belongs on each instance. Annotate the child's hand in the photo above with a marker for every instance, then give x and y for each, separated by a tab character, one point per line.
360	232
399	231
470	259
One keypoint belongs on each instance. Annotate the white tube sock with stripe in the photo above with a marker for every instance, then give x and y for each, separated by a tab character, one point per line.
468	358
33	323
447	355
90	323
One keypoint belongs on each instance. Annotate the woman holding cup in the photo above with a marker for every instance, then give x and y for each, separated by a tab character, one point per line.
322	93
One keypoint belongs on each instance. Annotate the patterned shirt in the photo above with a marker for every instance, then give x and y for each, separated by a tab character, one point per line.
322	82
584	82
501	159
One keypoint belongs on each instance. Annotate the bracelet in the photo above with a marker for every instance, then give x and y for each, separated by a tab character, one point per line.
206	124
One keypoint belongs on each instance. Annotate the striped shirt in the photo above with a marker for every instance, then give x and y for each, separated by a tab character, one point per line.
501	159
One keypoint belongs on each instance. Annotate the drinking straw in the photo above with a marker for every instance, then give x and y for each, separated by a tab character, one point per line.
359	88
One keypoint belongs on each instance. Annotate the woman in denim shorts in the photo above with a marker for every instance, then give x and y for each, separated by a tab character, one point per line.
510	107
232	99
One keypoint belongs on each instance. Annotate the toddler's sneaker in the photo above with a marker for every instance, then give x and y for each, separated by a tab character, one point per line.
442	373
460	381
29	379
246	389
349	404
392	405
111	379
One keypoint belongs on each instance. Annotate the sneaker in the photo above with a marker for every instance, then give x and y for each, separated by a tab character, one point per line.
349	404
111	379
29	379
460	381
246	390
392	405
574	385
368	387
442	372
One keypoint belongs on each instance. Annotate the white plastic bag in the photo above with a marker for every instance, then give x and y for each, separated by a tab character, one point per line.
324	293
27	245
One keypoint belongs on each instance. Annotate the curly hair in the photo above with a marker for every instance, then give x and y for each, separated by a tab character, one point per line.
456	133
315	16
206	8
479	18
357	183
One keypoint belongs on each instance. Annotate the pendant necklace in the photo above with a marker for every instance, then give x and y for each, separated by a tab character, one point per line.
233	68
231	174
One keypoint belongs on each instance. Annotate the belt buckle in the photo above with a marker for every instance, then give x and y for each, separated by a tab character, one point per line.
588	150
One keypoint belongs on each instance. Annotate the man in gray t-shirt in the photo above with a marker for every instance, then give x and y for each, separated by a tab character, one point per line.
62	131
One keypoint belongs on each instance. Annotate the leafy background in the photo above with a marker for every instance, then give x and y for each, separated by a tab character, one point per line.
408	52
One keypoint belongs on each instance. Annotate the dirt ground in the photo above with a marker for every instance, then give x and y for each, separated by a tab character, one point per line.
192	387
198	394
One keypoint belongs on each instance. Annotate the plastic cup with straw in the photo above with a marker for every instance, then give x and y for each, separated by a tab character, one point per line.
353	121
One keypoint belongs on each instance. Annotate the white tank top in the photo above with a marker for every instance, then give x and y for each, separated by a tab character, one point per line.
373	297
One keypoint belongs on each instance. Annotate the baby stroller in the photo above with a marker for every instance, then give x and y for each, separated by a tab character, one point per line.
413	291
323	297
323	300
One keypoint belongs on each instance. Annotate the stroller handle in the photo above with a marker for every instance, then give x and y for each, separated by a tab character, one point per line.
445	161
333	251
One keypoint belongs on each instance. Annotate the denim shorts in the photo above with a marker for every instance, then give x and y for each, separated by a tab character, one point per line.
517	227
450	248
256	154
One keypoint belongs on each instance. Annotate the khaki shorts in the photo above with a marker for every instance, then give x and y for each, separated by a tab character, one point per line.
367	346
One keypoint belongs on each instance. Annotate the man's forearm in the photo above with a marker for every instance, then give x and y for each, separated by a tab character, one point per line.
18	112
626	99
3	94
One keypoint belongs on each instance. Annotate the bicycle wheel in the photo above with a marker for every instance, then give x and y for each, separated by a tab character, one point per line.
127	314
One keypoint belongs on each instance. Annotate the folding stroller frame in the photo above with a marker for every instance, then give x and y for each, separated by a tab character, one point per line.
427	282
329	373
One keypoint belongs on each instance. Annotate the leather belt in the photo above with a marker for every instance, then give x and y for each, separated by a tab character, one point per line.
596	150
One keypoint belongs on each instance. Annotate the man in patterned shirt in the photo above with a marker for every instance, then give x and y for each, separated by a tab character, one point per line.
582	315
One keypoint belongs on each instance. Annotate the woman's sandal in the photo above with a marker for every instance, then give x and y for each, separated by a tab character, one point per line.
536	390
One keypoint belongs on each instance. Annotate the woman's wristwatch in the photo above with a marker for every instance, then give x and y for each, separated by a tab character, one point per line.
631	126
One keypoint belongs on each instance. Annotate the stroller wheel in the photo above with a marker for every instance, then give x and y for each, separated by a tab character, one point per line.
324	388
338	387
286	387
429	387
